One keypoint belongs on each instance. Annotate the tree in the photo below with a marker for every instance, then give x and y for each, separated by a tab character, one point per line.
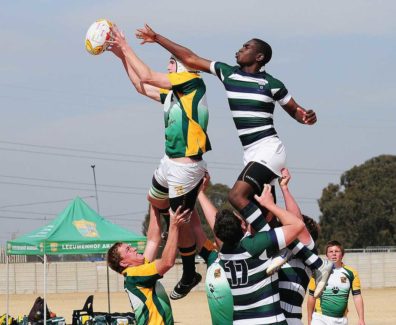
361	210
217	193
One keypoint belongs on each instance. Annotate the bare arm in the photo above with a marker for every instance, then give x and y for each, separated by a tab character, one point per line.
292	206
208	208
358	301
170	251
310	308
142	88
153	235
210	212
188	57
145	74
299	113
292	225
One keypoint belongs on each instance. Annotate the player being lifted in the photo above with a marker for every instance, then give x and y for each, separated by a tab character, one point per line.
177	179
252	94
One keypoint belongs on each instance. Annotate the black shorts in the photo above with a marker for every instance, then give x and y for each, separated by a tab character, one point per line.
256	175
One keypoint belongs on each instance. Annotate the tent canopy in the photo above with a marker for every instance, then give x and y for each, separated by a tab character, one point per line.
77	230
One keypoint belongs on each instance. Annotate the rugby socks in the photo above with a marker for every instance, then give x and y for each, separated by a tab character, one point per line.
253	215
206	249
308	257
188	259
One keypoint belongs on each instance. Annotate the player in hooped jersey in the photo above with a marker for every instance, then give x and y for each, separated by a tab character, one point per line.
177	179
252	94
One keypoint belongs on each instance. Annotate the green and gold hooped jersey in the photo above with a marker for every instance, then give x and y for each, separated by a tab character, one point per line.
148	298
334	300
186	116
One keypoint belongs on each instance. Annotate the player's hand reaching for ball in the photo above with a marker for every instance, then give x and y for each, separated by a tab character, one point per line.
146	34
117	40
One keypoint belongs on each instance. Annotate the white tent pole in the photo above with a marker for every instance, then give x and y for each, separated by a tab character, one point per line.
8	288
108	288
45	287
97	210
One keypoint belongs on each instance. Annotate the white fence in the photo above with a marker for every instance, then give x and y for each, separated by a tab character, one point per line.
376	270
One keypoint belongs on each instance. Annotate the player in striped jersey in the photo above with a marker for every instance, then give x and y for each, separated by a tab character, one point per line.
177	179
217	291
252	94
294	275
142	272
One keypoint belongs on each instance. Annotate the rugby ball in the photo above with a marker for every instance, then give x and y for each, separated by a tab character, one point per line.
97	35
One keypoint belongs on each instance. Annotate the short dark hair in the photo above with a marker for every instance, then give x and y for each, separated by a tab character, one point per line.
114	258
335	243
227	227
264	48
312	226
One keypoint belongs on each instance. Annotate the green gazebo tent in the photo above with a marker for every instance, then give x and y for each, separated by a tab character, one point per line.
77	230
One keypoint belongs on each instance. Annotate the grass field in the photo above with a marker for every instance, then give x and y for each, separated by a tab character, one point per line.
379	306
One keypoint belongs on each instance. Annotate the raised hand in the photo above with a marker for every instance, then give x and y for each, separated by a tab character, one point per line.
205	182
285	178
118	38
146	34
265	199
306	116
177	218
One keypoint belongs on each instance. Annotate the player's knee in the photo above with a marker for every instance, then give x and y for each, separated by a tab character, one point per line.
159	204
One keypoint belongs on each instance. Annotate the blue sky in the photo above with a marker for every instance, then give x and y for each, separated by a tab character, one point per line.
63	110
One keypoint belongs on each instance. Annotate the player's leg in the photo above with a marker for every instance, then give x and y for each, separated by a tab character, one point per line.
184	181
251	181
187	246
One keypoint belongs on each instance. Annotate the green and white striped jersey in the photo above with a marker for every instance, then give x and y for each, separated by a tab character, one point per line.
294	278
255	294
251	97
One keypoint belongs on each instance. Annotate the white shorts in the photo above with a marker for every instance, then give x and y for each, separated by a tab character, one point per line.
269	152
179	178
319	319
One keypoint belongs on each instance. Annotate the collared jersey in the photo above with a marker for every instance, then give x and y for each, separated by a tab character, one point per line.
186	116
334	300
255	294
251	97
147	296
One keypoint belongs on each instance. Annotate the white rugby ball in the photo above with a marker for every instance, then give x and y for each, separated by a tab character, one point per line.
97	35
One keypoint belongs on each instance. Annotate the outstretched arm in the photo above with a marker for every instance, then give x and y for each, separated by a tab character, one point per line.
170	250
145	74
208	209
291	225
142	88
188	57
153	235
299	113
292	206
